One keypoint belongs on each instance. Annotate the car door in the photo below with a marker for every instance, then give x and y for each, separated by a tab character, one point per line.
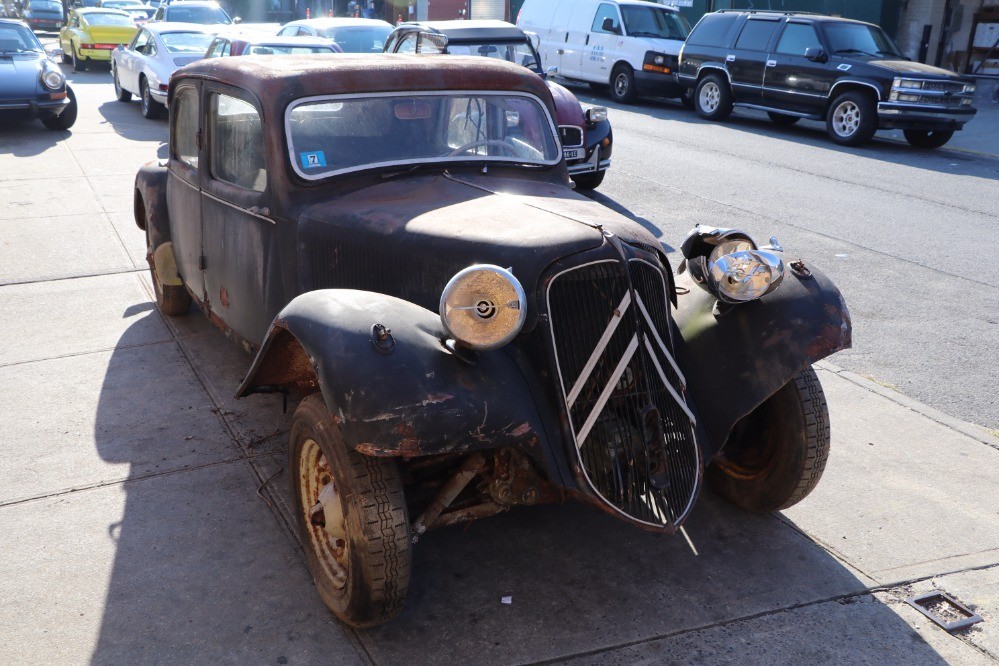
243	278
748	59
184	184
600	47
794	82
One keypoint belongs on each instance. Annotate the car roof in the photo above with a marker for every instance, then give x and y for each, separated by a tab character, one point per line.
336	22
274	40
83	11
795	15
161	27
644	3
187	4
469	30
276	81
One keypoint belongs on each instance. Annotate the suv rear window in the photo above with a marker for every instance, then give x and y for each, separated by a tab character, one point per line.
755	35
712	29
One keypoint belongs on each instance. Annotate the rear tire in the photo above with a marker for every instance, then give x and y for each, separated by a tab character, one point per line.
360	561
151	109
927	138
775	456
782	119
713	97
67	118
852	119
589	181
622	85
79	64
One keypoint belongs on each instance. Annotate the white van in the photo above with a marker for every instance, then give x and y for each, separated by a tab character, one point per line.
629	45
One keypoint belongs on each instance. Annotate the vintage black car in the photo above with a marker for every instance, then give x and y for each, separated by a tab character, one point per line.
587	139
395	240
847	73
31	85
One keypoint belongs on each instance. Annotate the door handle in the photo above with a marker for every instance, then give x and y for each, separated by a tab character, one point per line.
771	63
730	58
587	40
561	51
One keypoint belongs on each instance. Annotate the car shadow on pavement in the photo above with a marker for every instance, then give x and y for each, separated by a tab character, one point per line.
204	571
27	138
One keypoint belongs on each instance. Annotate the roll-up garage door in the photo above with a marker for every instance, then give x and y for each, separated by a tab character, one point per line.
488	9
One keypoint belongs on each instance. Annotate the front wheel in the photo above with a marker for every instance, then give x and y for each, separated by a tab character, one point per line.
713	97
351	512
623	84
589	181
852	119
775	456
927	138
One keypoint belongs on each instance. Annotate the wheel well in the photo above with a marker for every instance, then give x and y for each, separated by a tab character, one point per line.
286	366
618	65
852	87
139	209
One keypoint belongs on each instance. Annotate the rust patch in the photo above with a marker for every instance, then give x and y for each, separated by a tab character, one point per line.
224	297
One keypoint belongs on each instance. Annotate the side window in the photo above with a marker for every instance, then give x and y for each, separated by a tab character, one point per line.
755	35
408	44
712	30
226	48
140	40
237	143
214	49
184	132
796	38
606	11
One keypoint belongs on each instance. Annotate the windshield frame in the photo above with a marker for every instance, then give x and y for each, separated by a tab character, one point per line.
403	164
677	16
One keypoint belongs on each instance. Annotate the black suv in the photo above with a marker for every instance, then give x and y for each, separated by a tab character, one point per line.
848	73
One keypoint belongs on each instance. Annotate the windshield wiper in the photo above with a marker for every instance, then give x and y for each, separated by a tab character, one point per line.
873	55
648	34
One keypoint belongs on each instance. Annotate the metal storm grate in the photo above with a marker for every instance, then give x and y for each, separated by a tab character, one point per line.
945	610
570	136
623	391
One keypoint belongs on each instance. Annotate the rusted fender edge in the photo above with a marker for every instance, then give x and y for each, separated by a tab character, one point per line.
150	201
418	399
736	360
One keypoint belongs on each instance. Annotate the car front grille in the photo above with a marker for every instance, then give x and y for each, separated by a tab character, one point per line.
943	86
570	136
624	394
939	100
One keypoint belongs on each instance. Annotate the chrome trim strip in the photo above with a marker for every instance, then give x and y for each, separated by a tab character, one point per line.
239	208
719	68
659	340
584	374
662	376
760	107
605	395
795	92
841	82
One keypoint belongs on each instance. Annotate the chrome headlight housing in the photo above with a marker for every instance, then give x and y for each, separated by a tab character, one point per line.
728	264
52	78
483	307
596	114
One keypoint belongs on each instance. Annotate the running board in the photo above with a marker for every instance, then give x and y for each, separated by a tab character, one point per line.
796	114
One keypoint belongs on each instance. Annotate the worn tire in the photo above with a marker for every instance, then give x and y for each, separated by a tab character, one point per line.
171	299
782	119
927	138
589	181
622	84
376	529
67	118
852	119
151	109
687	99
775	456
120	93
79	64
65	57
713	97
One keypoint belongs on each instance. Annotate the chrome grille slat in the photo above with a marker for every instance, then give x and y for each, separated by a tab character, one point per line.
647	469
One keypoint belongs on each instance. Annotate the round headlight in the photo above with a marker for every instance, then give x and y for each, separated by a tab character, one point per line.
52	79
739	272
483	307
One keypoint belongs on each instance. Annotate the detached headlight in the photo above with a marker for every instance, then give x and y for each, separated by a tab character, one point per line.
728	264
596	114
52	79
483	307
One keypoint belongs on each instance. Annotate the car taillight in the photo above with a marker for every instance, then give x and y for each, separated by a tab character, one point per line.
86	46
164	87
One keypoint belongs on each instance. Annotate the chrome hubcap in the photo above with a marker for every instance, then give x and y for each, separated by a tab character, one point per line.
710	96
323	509
846	119
621	84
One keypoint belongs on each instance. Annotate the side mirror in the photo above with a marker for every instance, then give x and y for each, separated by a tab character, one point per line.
816	54
553	70
54	53
608	26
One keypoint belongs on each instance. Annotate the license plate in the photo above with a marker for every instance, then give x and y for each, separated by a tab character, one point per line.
573	153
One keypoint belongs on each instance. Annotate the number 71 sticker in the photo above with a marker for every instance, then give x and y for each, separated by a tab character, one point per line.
314	160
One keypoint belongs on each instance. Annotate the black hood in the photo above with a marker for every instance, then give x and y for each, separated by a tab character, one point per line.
900	67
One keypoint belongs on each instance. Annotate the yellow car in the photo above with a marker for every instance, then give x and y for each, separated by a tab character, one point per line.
91	33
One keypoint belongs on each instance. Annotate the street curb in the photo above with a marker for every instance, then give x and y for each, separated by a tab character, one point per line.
972	430
966	151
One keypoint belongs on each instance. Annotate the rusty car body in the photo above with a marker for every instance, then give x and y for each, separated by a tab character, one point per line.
395	240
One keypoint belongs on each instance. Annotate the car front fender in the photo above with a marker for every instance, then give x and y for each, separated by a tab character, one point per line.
407	395
734	358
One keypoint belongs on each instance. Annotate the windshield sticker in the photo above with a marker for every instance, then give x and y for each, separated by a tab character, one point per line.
313	160
844	67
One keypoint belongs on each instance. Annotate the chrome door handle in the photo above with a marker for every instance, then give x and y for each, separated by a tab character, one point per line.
561	51
771	63
730	58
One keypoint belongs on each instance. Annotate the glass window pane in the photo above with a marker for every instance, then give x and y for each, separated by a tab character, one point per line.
796	38
756	35
712	29
237	155
603	12
185	126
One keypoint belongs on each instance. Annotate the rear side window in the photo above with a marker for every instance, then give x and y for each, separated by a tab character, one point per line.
185	126
606	11
237	143
755	35
712	29
796	38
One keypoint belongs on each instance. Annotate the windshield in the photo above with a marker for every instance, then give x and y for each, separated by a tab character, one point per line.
46	5
846	38
186	42
109	19
519	53
341	135
15	38
654	22
139	12
285	49
202	15
358	39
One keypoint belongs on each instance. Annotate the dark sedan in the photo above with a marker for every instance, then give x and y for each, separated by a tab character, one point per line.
31	85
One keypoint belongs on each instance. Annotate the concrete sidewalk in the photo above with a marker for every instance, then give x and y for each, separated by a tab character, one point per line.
144	513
